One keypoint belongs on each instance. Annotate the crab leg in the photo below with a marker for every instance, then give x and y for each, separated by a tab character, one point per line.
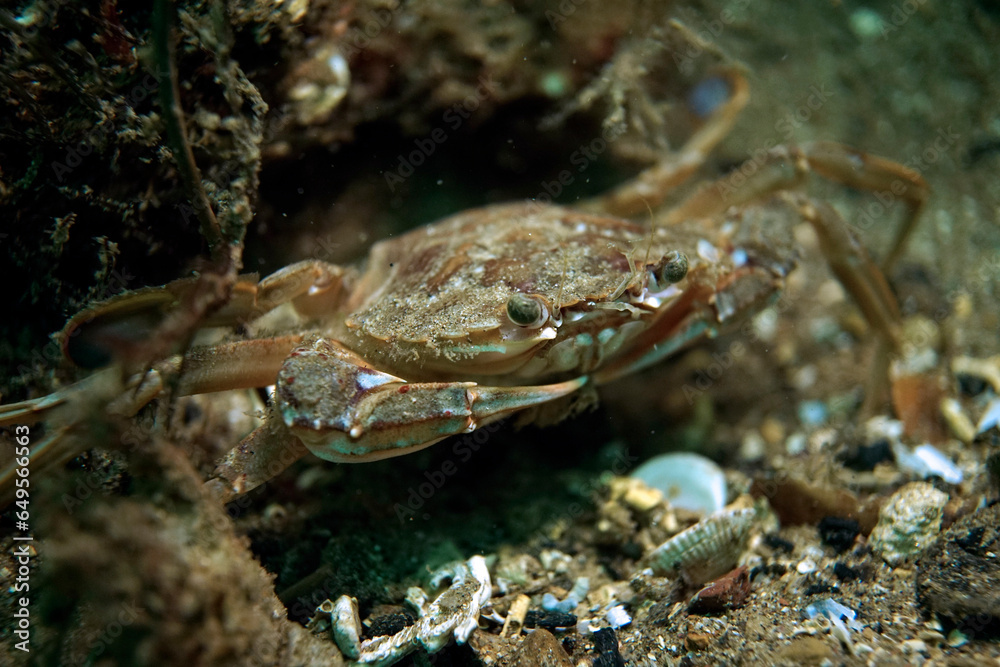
783	168
67	412
243	364
329	401
649	188
117	328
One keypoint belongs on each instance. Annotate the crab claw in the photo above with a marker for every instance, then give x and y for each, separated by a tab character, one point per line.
344	410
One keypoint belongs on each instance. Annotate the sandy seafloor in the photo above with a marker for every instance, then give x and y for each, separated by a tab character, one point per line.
132	565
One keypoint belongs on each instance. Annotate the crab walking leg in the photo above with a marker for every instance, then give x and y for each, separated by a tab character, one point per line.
855	270
650	187
242	364
238	365
69	429
117	328
887	179
343	410
44	456
312	286
261	456
785	167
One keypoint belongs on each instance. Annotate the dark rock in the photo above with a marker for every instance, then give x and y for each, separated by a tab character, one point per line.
779	543
606	647
958	577
838	532
388	624
819	588
539	618
971	385
866	457
845	572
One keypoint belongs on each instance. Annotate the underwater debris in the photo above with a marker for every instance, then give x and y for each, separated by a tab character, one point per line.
454	613
689	481
835	612
580	589
908	523
842	620
608	652
617	617
956	419
926	461
707	549
729	591
550	620
990	418
986	370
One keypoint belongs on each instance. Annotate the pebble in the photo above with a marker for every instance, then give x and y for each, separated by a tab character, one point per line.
908	523
913	646
805	651
541	649
697	641
812	413
796	444
752	446
773	431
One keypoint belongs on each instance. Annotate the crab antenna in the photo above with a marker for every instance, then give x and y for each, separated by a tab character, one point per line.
652	232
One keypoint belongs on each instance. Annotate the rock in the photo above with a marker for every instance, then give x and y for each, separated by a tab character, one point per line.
908	523
541	649
805	651
838	532
697	641
606	647
959	576
539	618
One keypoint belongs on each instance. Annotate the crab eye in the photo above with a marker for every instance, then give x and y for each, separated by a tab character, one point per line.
526	311
675	267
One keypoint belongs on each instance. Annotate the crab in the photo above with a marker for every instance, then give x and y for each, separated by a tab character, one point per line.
512	309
